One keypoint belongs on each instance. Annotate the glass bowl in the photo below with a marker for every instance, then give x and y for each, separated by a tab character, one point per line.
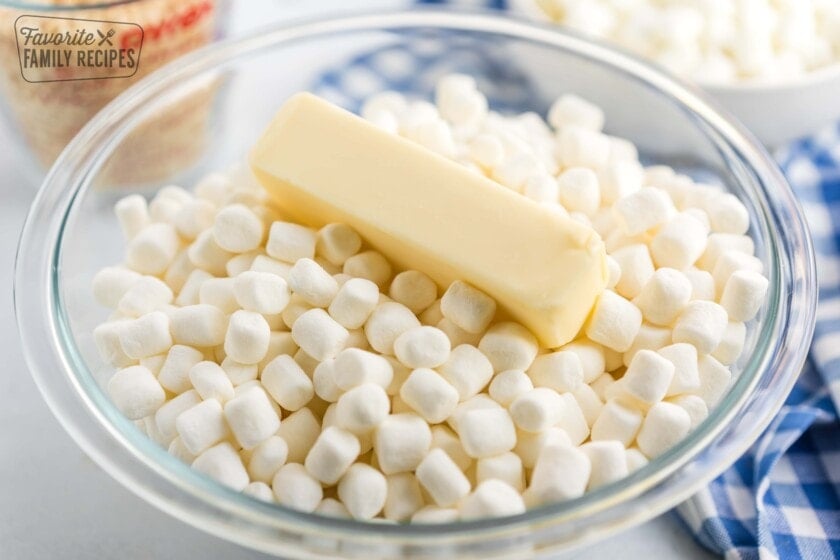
71	232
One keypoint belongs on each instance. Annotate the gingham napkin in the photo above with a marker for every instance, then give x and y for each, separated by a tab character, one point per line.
782	499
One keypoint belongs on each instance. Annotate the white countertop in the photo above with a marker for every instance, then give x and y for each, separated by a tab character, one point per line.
56	503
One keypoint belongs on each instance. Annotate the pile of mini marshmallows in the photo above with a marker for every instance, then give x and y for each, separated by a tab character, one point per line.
714	41
297	366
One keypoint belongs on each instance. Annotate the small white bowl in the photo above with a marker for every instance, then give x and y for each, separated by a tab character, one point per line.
776	112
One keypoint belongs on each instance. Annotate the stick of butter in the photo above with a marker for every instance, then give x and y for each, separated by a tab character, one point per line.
323	164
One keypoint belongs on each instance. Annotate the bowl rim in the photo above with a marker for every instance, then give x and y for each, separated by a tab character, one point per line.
39	312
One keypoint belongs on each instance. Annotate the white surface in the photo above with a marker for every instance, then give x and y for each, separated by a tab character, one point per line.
56	503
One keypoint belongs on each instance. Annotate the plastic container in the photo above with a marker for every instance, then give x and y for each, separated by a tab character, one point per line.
62	61
71	232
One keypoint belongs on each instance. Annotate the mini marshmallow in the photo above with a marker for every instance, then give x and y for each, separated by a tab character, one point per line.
444	438
386	323
251	418
174	374
401	442
679	243
332	508
636	269
614	322
337	243
506	467
664	425
430	395
571	419
199	325
194	217
561	473
362	408
422	347
650	337
176	449
719	243
299	430
267	458
190	293
702	284
589	402
202	426
732	343
529	446
578	190
136	392
206	254
132	214
241	263
220	293
478	402
486	150
259	491
442	479
363	491
289	242
508	385
152	249
467	307
466	369
332	454
743	295
561	371
287	383
727	214
213	187
413	289
543	188
702	323
247	337
648	377
223	464
431	315
492	498
643	210
354	367
684	358
579	147
617	422
619	179
261	292
536	410
111	283
146	336
731	262
238	373
262	263
318	334
323	381
456	335
487	432
509	345
294	310
591	356
178	272
237	229
571	110
295	488
664	296
613	273
312	283
370	265
695	407
404	497
714	380
107	339
354	302
608	460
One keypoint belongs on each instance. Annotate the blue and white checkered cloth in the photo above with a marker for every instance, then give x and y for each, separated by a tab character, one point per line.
781	500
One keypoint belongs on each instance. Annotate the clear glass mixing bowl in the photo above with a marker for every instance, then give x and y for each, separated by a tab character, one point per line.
71	232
